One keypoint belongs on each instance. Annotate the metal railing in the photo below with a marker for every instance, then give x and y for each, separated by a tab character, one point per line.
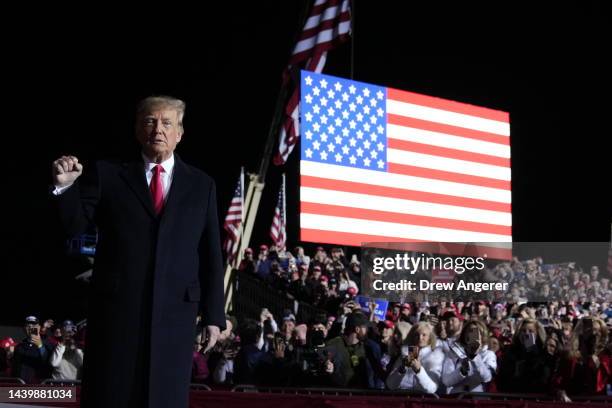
331	391
61	383
199	387
505	396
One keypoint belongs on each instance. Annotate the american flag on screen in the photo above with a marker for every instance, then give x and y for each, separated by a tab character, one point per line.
380	164
233	221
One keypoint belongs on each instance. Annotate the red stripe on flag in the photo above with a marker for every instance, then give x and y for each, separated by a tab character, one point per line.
393	119
399	218
448	176
447	105
447	152
394	192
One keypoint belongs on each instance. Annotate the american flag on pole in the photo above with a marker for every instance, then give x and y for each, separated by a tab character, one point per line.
233	221
328	24
380	164
278	230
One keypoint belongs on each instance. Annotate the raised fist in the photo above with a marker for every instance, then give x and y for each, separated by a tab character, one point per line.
66	170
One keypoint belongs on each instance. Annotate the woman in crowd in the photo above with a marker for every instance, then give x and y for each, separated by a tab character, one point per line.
469	365
523	367
587	368
419	366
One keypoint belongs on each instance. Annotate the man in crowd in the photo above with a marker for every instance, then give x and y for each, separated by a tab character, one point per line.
31	358
350	353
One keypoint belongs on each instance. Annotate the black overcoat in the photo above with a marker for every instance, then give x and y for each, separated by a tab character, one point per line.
152	275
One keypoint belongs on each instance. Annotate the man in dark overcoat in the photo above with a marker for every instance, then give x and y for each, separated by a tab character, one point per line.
158	263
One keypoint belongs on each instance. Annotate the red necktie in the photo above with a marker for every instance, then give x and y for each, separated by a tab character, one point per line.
157	190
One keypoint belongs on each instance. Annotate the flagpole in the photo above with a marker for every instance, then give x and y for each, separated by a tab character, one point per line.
352	11
284	212
257	181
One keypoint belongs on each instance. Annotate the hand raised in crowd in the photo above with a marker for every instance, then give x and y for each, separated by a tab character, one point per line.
265	315
66	170
36	339
279	348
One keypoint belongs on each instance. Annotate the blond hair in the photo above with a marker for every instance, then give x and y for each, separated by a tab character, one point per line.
163	101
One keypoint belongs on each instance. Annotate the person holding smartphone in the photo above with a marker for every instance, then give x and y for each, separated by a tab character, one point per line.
469	365
524	366
420	364
67	358
31	358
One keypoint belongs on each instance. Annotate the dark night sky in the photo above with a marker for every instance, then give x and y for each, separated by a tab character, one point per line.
72	83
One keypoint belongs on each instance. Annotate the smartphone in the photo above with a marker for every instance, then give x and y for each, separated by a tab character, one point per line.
34	331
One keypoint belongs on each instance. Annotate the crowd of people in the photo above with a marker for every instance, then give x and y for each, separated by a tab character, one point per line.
559	347
48	351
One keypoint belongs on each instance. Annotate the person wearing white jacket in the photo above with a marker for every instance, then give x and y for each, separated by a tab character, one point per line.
469	365
420	365
67	359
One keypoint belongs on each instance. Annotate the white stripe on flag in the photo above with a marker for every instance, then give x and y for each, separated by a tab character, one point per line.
322	37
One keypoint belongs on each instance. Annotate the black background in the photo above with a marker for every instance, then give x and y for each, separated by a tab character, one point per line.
72	78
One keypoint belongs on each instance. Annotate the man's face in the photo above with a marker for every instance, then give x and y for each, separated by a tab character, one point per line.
362	332
454	326
158	131
320	327
288	326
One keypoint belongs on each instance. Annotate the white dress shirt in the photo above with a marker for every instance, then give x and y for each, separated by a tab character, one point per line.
166	175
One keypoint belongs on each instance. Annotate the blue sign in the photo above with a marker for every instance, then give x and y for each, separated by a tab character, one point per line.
381	306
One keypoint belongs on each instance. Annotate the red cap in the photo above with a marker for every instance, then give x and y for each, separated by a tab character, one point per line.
317	268
351	291
263	247
324	278
248	251
406	306
7	342
388	324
